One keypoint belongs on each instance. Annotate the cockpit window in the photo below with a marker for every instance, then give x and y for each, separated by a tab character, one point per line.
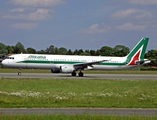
9	57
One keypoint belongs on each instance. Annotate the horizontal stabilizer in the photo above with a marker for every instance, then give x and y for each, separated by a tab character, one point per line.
146	61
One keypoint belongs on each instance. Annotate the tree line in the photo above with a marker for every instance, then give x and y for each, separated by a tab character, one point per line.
118	50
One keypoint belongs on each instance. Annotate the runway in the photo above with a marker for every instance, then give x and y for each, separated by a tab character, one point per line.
80	111
86	76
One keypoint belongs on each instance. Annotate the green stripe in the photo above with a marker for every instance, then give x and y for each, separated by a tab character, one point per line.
66	62
49	62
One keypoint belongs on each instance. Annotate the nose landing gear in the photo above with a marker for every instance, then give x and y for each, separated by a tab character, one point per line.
19	73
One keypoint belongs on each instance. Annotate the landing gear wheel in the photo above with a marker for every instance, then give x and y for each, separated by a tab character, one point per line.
19	73
73	73
80	74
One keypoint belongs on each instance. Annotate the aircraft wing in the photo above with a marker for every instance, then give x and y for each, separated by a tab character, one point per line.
85	65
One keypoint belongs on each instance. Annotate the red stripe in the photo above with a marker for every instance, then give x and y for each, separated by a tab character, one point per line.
136	58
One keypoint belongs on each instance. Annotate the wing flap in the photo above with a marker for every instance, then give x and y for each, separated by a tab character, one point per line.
85	65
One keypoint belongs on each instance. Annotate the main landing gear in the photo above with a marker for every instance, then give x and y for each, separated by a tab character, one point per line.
73	73
19	73
80	74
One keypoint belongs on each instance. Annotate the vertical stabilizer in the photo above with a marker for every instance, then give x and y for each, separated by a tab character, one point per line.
138	52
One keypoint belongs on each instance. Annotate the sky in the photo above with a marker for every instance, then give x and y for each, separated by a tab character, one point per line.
78	24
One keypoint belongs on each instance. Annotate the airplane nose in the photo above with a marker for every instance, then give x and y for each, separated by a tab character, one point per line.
3	62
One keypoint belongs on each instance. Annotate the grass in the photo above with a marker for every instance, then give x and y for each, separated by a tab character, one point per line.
51	93
75	117
86	72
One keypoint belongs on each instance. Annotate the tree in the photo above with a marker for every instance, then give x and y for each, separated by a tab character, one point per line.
56	50
31	50
92	52
50	50
19	48
62	51
3	49
10	49
120	50
97	53
106	51
41	52
152	54
85	54
69	52
80	51
76	52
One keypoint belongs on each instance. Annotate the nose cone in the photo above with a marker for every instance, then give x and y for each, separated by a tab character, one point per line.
4	62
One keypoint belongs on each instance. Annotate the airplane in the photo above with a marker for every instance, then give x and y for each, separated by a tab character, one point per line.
73	63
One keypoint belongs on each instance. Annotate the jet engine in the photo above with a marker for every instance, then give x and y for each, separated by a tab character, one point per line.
63	69
67	68
55	70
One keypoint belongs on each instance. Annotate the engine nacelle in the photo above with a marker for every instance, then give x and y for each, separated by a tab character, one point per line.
89	68
55	70
67	68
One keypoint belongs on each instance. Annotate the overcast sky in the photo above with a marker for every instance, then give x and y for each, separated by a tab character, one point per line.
78	24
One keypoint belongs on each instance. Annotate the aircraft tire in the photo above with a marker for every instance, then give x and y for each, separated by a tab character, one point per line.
73	73
19	73
81	74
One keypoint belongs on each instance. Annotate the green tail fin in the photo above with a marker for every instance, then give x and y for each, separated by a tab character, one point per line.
138	52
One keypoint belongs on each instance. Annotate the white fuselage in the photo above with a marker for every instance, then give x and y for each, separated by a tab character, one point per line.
55	61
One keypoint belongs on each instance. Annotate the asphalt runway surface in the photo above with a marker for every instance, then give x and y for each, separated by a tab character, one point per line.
76	111
86	76
79	111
